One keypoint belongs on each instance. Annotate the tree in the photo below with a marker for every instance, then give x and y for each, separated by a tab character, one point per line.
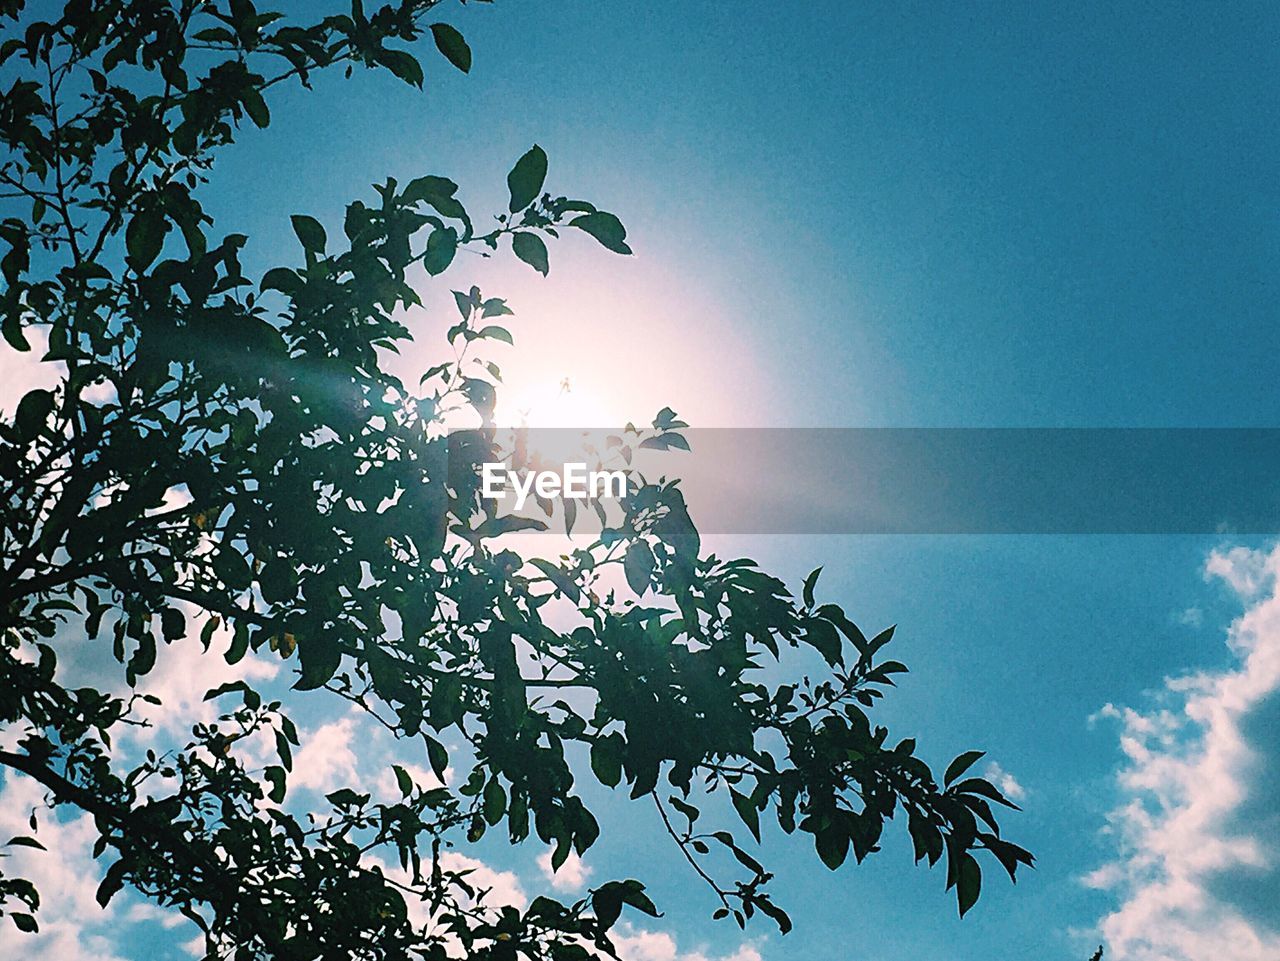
225	458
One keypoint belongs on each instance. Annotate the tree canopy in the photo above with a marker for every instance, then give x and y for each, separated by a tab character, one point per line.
226	460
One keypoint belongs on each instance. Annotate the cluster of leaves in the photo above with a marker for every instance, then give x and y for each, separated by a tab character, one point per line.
229	460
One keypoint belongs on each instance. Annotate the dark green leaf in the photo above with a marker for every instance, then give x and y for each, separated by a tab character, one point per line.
968	882
495	801
563	582
527	177
404	65
747	812
173	624
144	237
24	922
606	228
451	43
320	657
403	781
960	765
310	233
530	248
256	108
606	759
275	774
441	247
833	845
112	882
32	413
809	583
638	565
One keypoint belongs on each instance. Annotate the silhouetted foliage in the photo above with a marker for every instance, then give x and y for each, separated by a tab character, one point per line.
226	461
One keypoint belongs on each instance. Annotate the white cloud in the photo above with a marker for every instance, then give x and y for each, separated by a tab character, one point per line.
1184	784
571	876
494	888
1247	572
24	371
1006	782
503	887
326	762
144	911
72	924
389	787
1191	617
184	672
638	945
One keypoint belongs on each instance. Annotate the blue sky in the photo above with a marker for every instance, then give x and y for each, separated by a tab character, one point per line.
888	214
905	214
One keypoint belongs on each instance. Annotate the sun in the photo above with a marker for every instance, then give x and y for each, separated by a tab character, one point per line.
555	402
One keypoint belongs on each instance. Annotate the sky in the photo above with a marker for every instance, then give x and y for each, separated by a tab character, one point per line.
890	214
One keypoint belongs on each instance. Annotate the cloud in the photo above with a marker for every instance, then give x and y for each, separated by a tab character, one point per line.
571	876
1191	617
73	926
495	887
637	945
1006	782
24	371
1183	825
389	787
326	762
184	672
145	911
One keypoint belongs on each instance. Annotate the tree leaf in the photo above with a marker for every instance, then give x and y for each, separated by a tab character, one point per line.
11	327
833	845
960	765
173	624
439	193
256	107
822	636
638	564
442	245
451	43
747	812
437	756
495	801
809	583
320	657
526	178
968	882
403	781
506	524
403	64
309	232
530	248
112	882
275	774
33	413
563	582
606	759
24	922
606	228
144	237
